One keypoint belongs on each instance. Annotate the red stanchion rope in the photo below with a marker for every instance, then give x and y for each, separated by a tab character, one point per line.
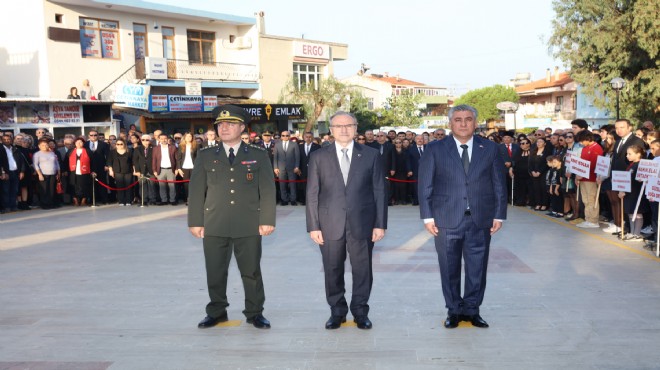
115	189
397	180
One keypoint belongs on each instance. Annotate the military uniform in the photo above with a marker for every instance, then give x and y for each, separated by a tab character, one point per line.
231	200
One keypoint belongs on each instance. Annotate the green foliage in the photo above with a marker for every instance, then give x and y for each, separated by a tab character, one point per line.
602	39
367	119
486	99
327	98
403	110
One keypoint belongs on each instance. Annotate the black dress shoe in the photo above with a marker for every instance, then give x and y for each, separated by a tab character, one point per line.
174	203
363	322
452	321
209	321
284	203
294	203
476	320
259	322
334	322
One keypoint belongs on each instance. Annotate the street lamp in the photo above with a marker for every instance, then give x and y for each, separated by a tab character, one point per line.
617	84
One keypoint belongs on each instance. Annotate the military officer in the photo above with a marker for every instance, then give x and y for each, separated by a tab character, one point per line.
231	206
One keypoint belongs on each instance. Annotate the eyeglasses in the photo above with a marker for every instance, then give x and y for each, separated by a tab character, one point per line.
361	138
145	140
284	136
341	127
524	143
177	138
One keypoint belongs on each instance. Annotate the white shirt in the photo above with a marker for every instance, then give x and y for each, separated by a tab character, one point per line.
285	144
78	153
92	145
307	148
165	157
469	148
11	159
340	154
188	161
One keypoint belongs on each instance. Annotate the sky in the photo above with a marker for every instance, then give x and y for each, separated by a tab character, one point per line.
458	44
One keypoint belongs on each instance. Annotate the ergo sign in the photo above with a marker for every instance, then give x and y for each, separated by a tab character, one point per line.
310	50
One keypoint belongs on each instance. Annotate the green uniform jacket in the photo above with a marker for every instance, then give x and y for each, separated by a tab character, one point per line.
231	200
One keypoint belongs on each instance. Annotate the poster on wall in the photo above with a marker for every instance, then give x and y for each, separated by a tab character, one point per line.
158	103
109	44
67	113
89	43
33	113
7	115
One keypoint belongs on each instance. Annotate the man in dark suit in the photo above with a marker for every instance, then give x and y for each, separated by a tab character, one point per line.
462	197
625	132
100	151
286	167
416	152
231	206
306	148
211	139
386	150
142	163
508	150
346	211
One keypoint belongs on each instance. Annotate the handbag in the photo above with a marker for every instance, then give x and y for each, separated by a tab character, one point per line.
58	188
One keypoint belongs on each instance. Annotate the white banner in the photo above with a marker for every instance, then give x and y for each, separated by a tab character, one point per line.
621	181
647	169
603	166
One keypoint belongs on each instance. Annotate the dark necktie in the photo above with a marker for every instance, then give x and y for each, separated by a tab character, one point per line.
466	158
231	156
421	150
145	152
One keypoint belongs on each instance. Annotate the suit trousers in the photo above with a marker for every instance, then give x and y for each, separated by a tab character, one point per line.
217	253
287	189
10	190
166	174
334	257
472	244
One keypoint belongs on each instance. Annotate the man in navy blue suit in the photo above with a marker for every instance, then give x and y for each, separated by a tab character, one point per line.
416	152
462	197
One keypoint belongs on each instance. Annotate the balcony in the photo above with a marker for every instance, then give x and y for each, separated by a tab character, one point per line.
186	70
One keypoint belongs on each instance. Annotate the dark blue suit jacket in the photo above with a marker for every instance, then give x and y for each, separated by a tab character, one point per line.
445	190
413	160
362	202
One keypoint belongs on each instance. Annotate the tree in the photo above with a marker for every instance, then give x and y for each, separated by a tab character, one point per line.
484	100
330	95
602	39
404	109
367	119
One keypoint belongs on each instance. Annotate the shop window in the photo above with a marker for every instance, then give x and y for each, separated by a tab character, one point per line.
201	47
306	75
168	43
99	38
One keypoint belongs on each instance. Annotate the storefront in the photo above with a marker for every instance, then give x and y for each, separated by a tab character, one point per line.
59	117
188	113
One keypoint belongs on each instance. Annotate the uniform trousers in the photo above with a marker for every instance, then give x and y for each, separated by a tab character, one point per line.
334	258
472	244
217	253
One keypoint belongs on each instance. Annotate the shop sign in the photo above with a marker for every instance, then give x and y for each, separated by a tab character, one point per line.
67	113
156	68
185	103
210	102
193	87
158	103
7	115
133	96
33	113
311	50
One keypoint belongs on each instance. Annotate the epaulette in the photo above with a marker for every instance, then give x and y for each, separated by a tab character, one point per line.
257	147
208	147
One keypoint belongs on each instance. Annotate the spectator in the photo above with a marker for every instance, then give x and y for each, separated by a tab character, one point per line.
120	167
537	168
612	197
521	175
634	154
185	160
164	165
588	187
143	166
73	93
47	166
13	173
401	172
79	165
553	184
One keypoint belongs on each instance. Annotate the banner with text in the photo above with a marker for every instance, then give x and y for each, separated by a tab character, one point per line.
67	113
653	189
647	169
603	166
133	96
580	167
621	181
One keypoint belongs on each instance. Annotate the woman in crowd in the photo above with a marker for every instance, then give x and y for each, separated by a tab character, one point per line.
185	158
521	175
73	93
47	166
26	184
605	183
634	154
79	162
537	168
136	145
361	139
120	167
401	172
494	137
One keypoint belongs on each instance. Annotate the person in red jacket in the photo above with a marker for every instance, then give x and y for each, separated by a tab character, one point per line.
588	186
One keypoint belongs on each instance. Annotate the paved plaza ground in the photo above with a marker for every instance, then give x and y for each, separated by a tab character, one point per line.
124	287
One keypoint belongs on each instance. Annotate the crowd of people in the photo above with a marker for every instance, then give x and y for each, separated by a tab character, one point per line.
49	173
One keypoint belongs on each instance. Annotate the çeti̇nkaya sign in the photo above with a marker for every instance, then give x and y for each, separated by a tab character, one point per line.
132	96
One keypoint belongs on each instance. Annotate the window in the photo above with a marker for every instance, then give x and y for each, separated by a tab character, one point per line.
306	75
201	47
168	43
140	40
370	103
59	18
560	103
99	38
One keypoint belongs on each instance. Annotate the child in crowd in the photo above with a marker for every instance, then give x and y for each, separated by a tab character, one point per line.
634	154
553	183
655	152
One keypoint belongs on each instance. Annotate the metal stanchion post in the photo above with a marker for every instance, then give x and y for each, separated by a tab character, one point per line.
93	190
142	191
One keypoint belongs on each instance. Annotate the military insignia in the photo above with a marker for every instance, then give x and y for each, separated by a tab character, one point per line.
224	114
249	176
248	163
